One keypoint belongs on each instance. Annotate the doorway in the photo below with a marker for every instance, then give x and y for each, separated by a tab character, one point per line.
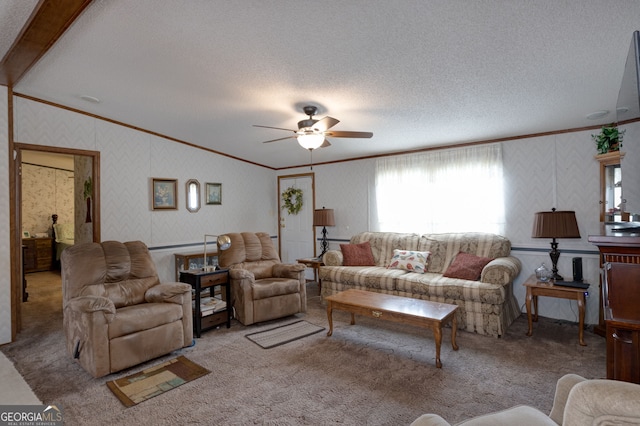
86	168
296	234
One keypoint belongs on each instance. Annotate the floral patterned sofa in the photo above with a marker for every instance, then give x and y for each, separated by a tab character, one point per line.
484	294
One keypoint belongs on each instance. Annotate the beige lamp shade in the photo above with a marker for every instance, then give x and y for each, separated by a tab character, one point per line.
323	217
555	224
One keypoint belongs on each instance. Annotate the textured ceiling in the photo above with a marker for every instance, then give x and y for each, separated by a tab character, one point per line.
13	15
416	73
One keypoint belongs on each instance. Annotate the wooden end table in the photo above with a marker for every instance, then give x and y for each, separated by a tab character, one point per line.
537	288
315	263
405	310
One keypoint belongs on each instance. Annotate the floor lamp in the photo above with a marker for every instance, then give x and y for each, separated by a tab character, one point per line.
323	217
555	224
223	242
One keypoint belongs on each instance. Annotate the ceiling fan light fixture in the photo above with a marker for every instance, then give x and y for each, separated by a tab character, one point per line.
310	140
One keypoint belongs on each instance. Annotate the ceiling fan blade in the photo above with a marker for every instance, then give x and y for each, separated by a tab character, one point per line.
277	128
279	139
325	123
341	134
325	144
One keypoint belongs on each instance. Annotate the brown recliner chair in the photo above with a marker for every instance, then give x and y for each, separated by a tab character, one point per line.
262	287
117	314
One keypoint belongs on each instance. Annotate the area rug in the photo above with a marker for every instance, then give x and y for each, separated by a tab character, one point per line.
283	334
139	387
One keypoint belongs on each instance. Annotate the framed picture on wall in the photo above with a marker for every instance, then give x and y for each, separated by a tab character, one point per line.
164	194
214	193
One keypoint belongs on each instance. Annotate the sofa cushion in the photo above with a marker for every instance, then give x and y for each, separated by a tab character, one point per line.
248	247
383	244
357	254
409	260
145	316
445	247
431	286
466	266
272	287
364	277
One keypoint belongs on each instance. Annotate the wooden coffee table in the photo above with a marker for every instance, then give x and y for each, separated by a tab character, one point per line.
405	310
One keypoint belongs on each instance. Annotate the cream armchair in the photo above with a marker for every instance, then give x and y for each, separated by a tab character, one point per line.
577	402
117	314
262	287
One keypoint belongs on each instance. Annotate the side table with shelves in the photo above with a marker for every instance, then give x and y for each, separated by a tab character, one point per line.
200	281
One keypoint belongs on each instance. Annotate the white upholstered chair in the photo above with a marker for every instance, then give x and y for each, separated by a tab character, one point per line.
577	402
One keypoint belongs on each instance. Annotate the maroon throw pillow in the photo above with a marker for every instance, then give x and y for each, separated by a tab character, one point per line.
466	267
357	254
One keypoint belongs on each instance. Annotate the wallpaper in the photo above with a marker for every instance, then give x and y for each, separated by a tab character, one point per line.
130	159
45	191
542	172
82	213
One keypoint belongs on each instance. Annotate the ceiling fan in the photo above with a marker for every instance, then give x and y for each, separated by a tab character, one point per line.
311	133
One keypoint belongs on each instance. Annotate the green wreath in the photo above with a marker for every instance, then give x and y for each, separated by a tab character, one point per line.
288	196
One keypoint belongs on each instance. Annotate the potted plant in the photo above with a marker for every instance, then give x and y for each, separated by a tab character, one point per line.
609	139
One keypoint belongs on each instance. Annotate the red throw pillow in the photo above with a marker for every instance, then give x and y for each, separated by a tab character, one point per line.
357	254
466	267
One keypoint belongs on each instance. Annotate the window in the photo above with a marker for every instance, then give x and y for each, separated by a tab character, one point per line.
456	190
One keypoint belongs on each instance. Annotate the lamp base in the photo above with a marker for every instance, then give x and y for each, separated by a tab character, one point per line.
325	244
554	254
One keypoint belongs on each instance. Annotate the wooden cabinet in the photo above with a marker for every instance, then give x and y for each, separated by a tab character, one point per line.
622	319
38	254
620	307
623	350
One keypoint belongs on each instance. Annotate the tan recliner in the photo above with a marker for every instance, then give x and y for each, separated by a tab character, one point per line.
262	287
117	314
577	402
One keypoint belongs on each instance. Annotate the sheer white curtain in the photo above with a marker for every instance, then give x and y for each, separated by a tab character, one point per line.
453	190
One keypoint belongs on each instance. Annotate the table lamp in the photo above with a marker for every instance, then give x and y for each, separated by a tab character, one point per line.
555	224
224	242
323	217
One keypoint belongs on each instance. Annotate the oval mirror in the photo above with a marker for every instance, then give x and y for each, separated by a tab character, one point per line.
193	195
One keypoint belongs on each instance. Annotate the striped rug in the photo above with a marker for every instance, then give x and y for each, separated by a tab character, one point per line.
283	334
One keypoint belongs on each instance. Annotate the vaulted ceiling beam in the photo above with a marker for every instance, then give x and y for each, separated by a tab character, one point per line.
49	20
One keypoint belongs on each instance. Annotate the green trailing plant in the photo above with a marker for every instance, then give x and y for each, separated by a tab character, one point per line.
609	139
88	188
292	198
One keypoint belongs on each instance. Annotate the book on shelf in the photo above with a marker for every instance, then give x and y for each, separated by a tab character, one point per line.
206	292
210	305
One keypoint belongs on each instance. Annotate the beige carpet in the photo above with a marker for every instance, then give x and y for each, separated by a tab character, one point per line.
13	389
376	373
